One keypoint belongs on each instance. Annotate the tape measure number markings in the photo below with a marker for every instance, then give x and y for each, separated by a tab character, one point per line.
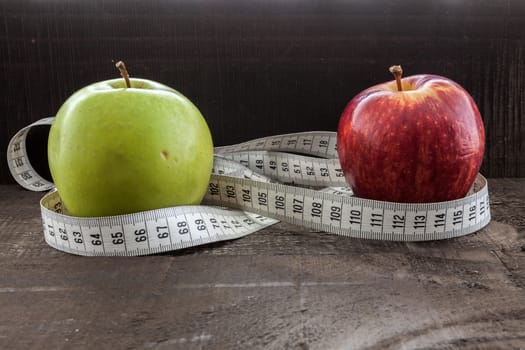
147	232
352	216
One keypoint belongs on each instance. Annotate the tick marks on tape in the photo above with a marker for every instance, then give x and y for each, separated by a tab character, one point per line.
294	178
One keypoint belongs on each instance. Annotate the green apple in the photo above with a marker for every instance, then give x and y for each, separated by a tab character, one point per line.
115	149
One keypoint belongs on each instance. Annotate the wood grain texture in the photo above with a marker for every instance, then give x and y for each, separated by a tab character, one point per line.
266	67
281	288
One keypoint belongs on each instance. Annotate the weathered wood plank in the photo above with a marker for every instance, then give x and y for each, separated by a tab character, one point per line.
288	67
281	288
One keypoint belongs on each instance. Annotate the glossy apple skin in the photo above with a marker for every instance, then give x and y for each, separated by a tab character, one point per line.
115	150
424	144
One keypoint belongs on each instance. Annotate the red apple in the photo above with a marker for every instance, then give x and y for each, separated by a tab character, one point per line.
412	140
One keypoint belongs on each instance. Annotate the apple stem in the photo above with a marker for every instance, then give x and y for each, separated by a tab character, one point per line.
397	71
123	72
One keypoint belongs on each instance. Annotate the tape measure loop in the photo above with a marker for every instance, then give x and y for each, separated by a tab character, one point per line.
295	178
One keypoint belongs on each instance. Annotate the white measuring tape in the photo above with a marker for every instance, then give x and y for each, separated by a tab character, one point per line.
294	178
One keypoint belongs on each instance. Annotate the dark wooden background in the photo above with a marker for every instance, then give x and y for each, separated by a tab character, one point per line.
256	68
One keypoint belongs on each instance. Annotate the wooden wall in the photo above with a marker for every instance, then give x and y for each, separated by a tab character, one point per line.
258	68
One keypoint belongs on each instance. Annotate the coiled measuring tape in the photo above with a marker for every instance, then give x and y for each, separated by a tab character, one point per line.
294	178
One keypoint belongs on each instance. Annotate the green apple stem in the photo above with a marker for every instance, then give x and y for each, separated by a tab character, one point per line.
123	72
397	71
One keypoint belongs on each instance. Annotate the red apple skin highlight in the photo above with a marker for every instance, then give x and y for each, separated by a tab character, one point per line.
422	144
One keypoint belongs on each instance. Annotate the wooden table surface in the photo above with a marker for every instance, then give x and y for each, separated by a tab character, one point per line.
281	288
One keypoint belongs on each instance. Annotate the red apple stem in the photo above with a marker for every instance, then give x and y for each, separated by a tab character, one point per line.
397	71
123	72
